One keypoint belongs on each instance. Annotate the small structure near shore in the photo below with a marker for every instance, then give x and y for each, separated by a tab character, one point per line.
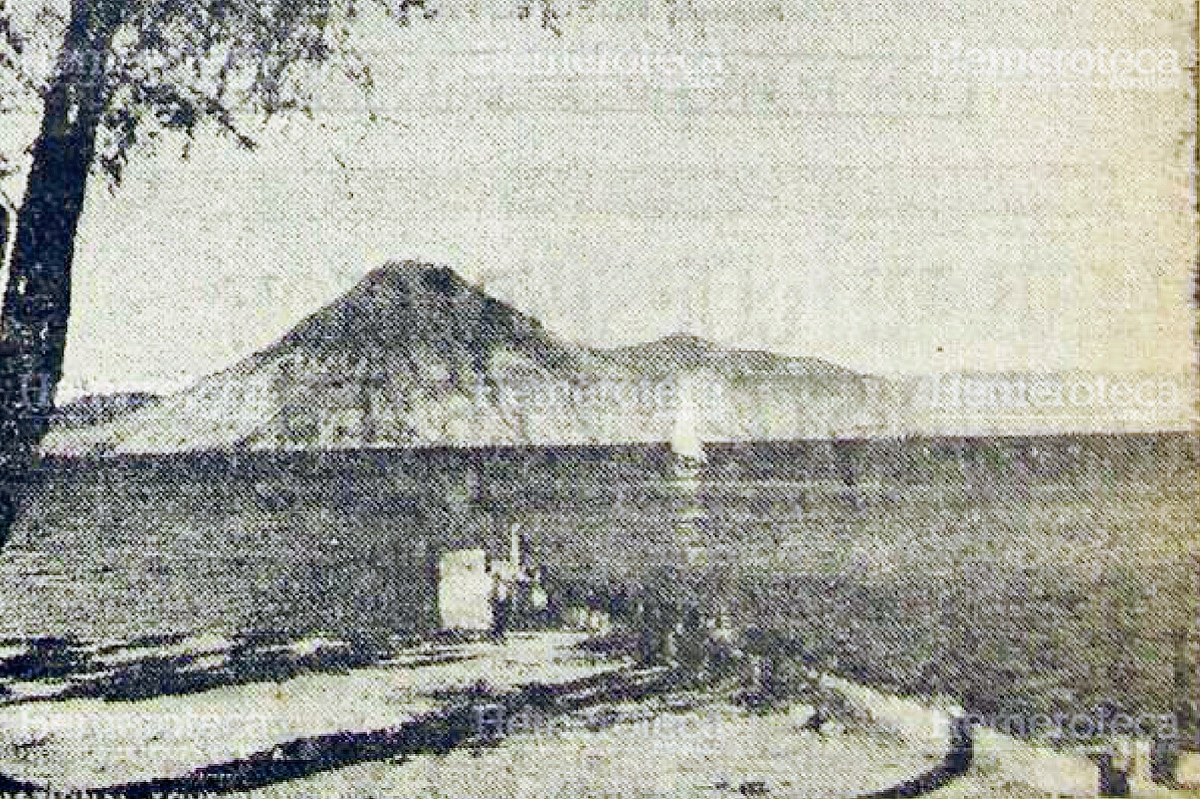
465	590
478	595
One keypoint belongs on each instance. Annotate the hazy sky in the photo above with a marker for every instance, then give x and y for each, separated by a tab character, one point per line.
811	188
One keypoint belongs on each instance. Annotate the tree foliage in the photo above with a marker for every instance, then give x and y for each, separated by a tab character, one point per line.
178	64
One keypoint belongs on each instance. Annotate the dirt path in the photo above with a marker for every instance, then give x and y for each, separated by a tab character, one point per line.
958	759
75	744
339	734
432	734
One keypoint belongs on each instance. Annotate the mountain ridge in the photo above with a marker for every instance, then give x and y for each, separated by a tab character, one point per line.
414	355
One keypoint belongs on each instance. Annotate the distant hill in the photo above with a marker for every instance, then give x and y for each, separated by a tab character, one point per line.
415	356
681	352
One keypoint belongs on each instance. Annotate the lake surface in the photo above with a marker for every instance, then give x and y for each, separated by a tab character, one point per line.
1016	571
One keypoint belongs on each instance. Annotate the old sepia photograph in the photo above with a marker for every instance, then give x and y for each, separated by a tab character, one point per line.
627	399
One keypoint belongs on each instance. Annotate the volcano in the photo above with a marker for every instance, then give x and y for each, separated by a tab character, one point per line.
415	356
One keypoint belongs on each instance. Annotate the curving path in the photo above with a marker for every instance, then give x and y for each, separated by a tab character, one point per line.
442	731
956	763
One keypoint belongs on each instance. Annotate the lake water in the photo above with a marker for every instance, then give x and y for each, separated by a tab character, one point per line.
998	571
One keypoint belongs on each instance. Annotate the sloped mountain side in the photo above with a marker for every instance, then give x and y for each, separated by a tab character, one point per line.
93	409
414	356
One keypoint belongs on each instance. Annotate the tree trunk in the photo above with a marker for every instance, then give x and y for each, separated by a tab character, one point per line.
37	298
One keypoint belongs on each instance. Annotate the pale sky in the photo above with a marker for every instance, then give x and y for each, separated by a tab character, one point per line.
824	194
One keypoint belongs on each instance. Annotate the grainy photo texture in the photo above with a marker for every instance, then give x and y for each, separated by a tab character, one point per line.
598	398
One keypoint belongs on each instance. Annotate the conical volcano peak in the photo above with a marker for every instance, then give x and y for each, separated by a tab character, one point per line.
430	313
415	355
413	277
396	302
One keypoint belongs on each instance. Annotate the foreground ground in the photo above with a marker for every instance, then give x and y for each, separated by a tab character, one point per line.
690	741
